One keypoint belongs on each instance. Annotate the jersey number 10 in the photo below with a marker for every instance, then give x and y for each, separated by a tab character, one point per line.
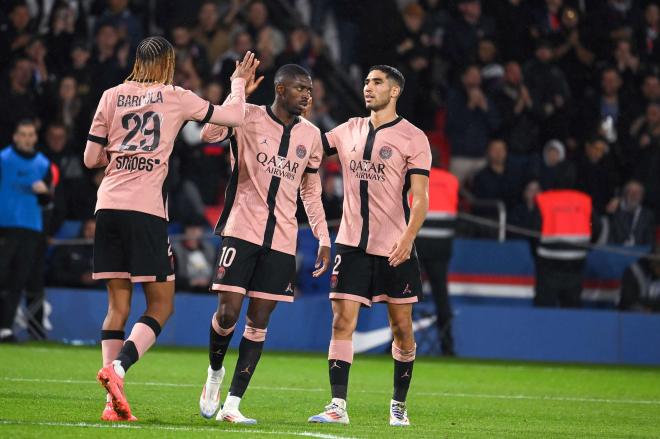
140	125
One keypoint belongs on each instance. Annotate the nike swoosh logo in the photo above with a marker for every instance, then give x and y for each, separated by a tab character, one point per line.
364	341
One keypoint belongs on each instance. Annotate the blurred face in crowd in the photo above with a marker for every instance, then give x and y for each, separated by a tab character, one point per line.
20	17
553	5
295	93
652	15
610	82
653	114
25	137
257	15
213	93
68	86
552	156
319	92
36	49
651	88
56	138
208	16
79	56
470	10
413	17
596	150
513	73
544	54
117	5
623	50
21	74
487	51
242	43
181	36
89	229
471	78
107	38
633	194
496	154
379	90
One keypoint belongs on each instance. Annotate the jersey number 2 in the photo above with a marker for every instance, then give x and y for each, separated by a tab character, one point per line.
140	125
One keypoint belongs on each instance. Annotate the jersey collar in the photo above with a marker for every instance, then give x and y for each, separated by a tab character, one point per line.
295	120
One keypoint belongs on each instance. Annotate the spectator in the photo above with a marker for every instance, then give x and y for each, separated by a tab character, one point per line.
211	32
71	110
186	48
648	40
464	33
596	174
258	19
300	50
18	96
471	118
646	154
195	259
550	93
81	70
492	72
37	52
224	66
61	37
519	128
513	20
546	20
627	64
498	180
71	264
555	172
320	114
572	52
18	34
631	223
109	60
24	184
119	16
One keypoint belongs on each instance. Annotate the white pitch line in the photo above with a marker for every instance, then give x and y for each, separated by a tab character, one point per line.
304	389
192	429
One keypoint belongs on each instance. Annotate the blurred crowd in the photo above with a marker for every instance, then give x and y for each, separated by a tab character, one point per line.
517	96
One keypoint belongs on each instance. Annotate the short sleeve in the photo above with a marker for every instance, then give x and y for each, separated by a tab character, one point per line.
194	107
315	156
419	160
98	132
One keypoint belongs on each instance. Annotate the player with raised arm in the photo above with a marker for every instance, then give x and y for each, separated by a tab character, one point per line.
132	134
274	154
383	157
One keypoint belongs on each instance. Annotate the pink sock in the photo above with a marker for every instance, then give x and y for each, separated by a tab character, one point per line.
110	349
143	337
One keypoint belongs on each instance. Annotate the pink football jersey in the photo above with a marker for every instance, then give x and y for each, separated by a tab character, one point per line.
270	162
376	167
133	132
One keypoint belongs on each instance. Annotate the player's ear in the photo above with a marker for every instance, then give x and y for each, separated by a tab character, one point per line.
279	89
395	91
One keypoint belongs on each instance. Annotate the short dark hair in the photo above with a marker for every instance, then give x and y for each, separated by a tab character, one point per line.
24	123
391	73
290	71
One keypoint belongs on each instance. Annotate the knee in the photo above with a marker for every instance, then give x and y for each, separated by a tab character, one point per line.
402	328
258	320
119	311
226	318
341	324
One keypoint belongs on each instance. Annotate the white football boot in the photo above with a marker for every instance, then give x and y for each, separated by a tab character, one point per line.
335	413
209	401
398	414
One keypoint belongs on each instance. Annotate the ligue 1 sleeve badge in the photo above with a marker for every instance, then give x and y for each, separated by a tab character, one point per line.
385	152
333	281
301	151
221	272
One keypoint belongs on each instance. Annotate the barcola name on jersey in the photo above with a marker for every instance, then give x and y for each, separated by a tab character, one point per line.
138	101
368	170
278	166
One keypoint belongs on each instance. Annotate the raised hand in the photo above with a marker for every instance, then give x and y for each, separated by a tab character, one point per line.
246	68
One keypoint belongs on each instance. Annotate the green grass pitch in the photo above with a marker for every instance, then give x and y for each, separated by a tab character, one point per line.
48	390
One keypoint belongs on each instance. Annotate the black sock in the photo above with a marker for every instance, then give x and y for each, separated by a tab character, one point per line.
402	376
249	353
218	345
128	355
339	378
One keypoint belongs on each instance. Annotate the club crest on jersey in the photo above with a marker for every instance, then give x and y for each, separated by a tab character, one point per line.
385	152
221	272
333	281
301	151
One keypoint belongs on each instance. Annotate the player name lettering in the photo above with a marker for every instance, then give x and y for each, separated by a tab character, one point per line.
278	166
136	163
137	101
367	170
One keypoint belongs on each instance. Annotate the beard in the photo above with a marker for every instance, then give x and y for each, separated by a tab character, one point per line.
377	106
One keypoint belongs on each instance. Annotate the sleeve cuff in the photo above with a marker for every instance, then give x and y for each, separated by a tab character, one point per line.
103	141
327	149
419	171
324	241
311	170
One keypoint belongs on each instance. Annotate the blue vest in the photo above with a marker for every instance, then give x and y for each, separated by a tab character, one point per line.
19	206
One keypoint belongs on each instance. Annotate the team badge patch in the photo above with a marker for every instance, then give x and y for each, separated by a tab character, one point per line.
221	272
301	151
385	152
333	281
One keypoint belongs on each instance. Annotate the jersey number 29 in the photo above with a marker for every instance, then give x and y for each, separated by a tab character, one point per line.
140	124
